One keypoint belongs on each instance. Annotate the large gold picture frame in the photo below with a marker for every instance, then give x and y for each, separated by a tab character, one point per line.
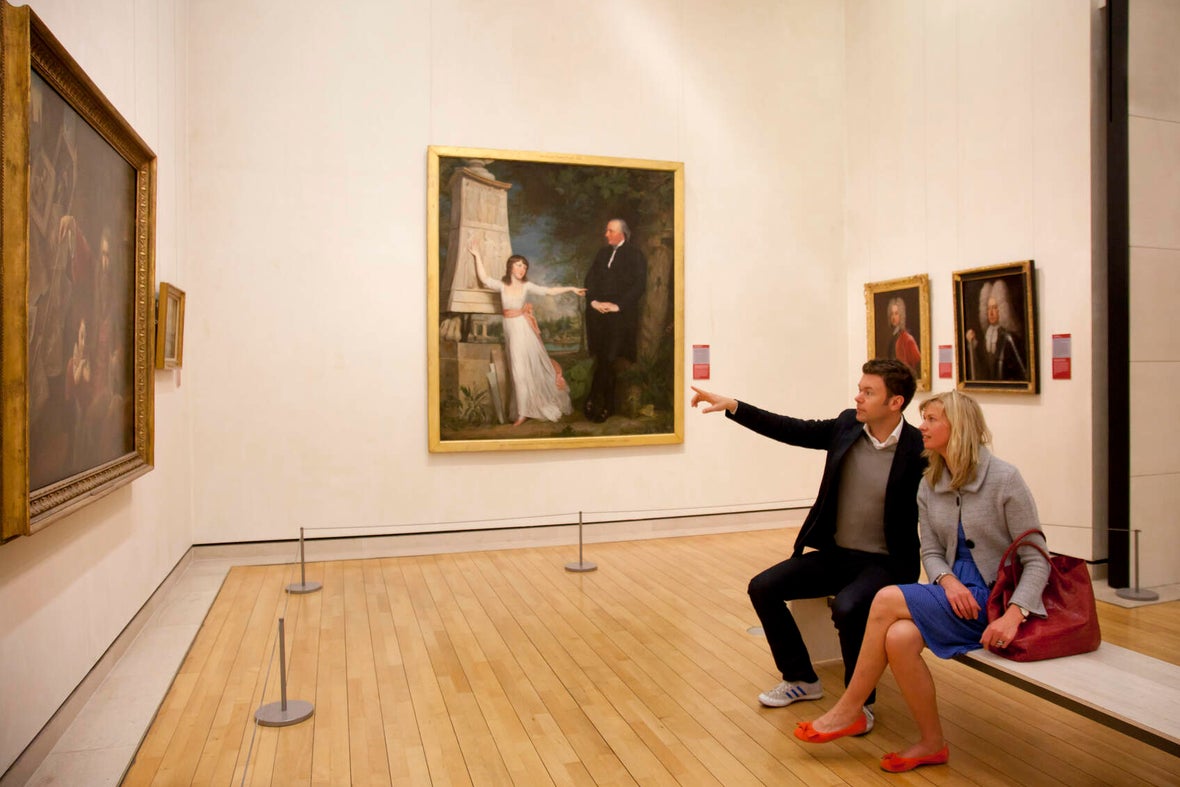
553	210
996	328
898	316
77	267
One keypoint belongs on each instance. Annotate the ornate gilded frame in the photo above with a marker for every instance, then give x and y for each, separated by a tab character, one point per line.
1015	282
39	80
914	294
554	211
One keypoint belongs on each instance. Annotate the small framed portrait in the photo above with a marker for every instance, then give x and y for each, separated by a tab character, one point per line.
169	327
996	328
898	313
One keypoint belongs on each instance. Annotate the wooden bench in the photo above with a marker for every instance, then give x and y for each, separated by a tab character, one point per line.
1135	694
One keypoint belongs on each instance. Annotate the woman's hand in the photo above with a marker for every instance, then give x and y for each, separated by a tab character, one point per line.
1001	631
960	598
714	401
473	247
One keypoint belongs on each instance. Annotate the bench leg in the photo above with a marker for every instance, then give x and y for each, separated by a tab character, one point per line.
814	619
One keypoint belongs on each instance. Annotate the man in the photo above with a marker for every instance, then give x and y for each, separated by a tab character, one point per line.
997	357
863	527
614	288
902	346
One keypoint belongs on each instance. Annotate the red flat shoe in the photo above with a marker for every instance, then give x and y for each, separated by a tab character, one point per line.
895	763
808	734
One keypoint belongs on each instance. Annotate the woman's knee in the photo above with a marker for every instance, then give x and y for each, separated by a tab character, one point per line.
890	601
903	639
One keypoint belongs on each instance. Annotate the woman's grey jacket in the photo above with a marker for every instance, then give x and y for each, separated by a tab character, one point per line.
996	507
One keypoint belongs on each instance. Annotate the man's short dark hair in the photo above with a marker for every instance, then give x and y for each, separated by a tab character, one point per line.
899	380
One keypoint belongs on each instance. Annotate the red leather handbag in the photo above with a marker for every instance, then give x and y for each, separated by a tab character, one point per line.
1071	622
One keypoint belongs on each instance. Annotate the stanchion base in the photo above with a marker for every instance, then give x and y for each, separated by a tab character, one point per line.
580	566
1137	595
756	631
273	715
304	587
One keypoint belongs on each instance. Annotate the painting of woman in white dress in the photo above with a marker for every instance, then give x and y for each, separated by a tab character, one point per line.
538	388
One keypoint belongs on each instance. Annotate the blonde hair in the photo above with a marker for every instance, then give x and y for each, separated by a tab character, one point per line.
969	433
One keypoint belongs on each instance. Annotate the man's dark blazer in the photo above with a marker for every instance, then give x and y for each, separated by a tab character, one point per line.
836	436
616	335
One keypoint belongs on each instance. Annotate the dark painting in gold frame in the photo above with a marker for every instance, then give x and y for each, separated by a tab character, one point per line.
898	316
553	209
996	328
77	268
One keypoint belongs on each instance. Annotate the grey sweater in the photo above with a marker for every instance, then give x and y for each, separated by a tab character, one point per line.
997	506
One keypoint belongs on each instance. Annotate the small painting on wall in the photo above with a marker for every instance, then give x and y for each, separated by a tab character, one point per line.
898	314
169	327
996	328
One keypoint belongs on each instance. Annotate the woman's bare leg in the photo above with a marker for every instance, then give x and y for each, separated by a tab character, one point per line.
903	647
889	608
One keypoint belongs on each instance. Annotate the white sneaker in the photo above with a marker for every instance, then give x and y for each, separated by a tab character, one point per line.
868	709
791	691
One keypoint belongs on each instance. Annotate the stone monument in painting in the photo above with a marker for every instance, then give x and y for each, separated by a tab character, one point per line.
469	357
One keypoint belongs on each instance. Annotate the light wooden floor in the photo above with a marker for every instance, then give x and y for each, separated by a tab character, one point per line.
503	668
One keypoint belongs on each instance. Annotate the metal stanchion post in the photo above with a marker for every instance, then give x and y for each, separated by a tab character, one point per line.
581	565
283	713
303	586
1136	594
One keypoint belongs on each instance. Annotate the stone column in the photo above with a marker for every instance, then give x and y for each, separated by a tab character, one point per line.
479	209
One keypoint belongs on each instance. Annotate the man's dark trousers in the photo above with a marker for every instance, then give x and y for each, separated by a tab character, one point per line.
853	577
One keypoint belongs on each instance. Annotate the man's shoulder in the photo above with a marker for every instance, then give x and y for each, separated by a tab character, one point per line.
632	251
910	439
603	254
847	417
846	421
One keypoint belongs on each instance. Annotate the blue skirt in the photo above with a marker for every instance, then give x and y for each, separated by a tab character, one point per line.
945	633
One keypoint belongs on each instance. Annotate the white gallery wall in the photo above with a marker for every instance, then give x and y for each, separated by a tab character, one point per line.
67	591
969	145
305	345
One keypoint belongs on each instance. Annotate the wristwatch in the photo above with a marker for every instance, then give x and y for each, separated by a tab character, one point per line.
1023	612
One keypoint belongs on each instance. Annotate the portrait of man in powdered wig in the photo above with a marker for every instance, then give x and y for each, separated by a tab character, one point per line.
994	351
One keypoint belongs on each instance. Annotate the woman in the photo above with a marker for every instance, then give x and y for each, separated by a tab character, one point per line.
971	508
538	388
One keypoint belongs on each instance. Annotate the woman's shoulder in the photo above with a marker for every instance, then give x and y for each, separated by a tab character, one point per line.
941	490
998	472
999	467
